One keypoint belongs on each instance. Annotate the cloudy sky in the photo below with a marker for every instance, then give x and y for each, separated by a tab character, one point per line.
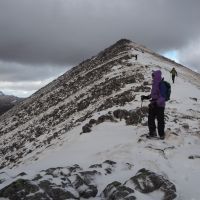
41	39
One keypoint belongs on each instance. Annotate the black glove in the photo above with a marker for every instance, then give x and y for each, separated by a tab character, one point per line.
143	97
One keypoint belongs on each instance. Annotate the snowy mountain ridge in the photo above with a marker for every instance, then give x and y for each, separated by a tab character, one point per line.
84	133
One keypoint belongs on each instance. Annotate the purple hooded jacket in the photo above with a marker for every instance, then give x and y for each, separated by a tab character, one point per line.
155	91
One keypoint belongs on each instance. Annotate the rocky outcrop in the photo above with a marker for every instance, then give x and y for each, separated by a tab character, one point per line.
146	181
75	183
132	117
117	191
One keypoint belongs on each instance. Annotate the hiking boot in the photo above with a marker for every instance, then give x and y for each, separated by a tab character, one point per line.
151	137
152	134
162	137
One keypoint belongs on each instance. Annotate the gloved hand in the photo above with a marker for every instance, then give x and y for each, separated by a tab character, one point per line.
143	97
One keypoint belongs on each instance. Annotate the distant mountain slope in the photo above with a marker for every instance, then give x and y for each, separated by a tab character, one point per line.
7	102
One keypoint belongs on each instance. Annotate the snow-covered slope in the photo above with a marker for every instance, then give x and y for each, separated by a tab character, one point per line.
88	125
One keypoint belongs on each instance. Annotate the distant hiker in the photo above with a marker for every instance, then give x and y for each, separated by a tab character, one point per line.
135	56
158	97
174	73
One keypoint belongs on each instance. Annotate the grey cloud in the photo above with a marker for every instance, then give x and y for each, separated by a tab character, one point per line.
190	56
40	39
14	72
66	32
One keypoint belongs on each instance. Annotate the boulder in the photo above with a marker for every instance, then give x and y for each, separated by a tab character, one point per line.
85	190
121	114
57	193
133	119
86	128
146	181
19	189
92	121
117	191
104	118
186	126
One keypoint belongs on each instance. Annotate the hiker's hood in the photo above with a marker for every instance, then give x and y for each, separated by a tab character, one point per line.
156	75
155	91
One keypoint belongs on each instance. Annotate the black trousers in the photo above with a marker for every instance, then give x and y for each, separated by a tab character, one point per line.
173	78
156	112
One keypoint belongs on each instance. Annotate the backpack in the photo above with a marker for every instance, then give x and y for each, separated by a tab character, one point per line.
165	89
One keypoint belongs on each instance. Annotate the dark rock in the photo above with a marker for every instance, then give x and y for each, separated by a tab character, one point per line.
117	191
146	83
185	126
133	119
108	170
143	111
39	131
2	180
120	99
55	192
74	168
22	174
51	171
146	181
121	114
59	194
61	171
130	79
124	98
142	88
18	189
110	162
86	128
194	156
92	121
129	64
89	176
83	104
38	196
85	190
96	166
130	198
104	118
37	177
193	98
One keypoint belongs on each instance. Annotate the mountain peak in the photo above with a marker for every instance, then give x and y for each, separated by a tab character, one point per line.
123	41
122	45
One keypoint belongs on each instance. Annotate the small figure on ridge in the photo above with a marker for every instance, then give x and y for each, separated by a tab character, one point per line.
174	74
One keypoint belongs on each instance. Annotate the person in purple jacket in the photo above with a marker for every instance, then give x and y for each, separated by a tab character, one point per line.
156	107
